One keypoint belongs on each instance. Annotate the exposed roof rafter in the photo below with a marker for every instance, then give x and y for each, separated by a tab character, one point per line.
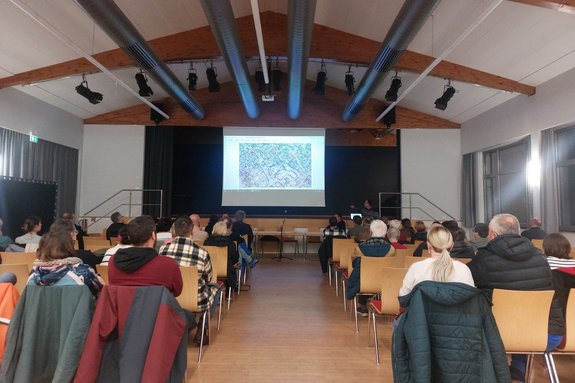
566	6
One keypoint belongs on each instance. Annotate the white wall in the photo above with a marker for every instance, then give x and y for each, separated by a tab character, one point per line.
431	166
23	113
113	159
550	107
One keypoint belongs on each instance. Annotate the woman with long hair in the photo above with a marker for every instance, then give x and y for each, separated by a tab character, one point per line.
57	263
439	266
32	226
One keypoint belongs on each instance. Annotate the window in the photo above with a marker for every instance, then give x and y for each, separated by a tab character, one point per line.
505	181
565	140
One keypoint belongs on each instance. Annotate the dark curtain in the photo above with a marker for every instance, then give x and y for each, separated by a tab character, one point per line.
158	165
44	161
468	190
549	193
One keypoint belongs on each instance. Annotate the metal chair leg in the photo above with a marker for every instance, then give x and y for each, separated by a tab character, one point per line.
329	272
221	306
336	283
204	319
551	369
240	280
375	338
229	297
343	293
368	325
355	312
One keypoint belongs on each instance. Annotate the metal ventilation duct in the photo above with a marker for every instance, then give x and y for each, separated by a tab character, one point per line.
408	22
223	23
119	28
300	25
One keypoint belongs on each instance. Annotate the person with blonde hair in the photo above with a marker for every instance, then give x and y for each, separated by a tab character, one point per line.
439	267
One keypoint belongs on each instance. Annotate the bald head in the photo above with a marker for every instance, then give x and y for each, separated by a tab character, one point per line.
534	222
503	224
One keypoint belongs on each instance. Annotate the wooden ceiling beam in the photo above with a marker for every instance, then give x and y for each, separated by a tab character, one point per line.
327	43
224	108
566	6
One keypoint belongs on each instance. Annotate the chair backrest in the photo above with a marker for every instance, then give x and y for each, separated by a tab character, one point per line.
538	243
18	258
188	299
198	242
403	252
95	239
103	271
97	245
341	246
370	276
392	280
408	261
570	323
463	260
219	258
345	260
22	273
522	318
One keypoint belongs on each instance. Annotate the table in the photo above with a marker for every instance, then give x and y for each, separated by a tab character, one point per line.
290	234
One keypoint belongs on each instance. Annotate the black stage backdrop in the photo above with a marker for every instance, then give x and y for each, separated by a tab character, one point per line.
352	174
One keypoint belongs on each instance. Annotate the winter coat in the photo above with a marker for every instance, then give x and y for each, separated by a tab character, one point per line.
447	334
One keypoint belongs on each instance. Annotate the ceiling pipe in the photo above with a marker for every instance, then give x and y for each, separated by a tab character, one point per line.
118	27
300	25
260	38
406	25
223	23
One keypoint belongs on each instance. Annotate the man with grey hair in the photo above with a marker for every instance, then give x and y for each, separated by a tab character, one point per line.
375	246
241	228
511	262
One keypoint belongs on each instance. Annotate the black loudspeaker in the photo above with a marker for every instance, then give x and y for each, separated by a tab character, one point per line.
155	116
389	118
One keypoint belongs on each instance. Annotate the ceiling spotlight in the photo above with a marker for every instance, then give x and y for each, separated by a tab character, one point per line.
349	82
84	91
213	84
192	78
389	118
391	94
142	80
262	86
319	87
448	92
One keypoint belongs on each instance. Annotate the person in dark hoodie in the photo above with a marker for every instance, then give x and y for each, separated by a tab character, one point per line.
140	264
511	262
460	247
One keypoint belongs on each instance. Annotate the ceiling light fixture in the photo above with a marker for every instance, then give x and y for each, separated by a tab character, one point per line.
192	78
319	87
391	94
389	118
448	92
349	81
213	84
144	88
84	91
260	79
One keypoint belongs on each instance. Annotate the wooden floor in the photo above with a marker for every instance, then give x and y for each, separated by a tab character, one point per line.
291	328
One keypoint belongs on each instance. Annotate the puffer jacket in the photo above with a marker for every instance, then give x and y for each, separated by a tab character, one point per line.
511	262
447	334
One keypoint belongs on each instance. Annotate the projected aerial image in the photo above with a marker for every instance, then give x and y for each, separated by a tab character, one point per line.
275	166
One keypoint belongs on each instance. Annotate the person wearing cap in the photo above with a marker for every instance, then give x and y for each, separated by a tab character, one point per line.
480	232
117	224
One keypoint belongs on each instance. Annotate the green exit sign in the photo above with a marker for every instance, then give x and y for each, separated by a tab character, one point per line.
33	138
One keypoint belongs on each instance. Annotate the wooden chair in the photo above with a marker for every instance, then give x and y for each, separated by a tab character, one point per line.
370	277
346	267
219	257
97	240
388	304
103	271
538	243
463	260
97	245
18	258
522	318
22	272
339	247
569	346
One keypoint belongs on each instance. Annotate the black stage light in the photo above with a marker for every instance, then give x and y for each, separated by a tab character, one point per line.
213	84
277	79
389	118
319	87
192	80
349	82
144	88
84	91
391	94
262	86
441	102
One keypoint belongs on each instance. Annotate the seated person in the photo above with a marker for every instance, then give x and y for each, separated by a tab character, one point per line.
450	225
439	266
479	240
81	233
375	246
117	223
241	228
32	226
214	218
5	241
557	250
352	232
420	231
164	230
123	244
407	232
198	234
221	238
57	264
333	230
393	237
67	226
460	247
364	232
186	253
242	246
340	221
367	210
535	231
